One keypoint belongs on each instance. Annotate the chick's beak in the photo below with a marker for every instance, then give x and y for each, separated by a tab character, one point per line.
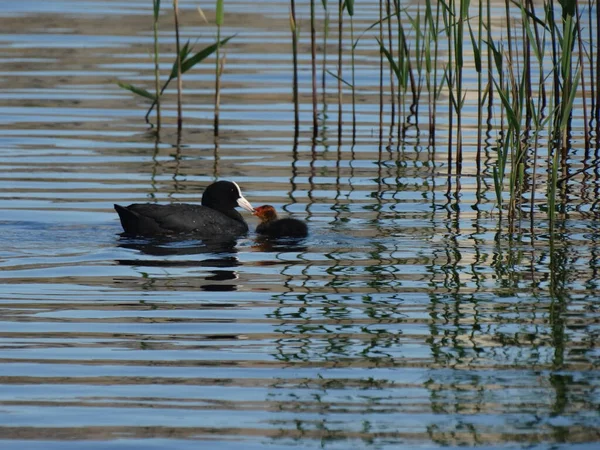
243	203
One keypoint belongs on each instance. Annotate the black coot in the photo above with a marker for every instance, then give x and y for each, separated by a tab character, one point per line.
271	226
216	216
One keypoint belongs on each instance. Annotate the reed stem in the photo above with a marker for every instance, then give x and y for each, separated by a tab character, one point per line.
156	7
388	9
313	53
380	73
179	71
350	7
218	66
339	71
325	36
295	66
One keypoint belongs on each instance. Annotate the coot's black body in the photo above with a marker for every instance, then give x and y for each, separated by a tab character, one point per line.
273	227
216	216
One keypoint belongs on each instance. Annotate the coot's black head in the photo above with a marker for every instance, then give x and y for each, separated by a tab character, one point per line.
224	196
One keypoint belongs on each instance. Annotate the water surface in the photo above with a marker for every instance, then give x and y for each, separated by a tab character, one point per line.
408	318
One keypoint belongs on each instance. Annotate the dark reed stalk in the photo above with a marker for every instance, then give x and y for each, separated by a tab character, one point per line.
350	7
339	71
537	47
594	80
569	83
434	25
505	91
478	67
459	31
447	16
216	159
508	28
552	164
517	79
552	189
562	72
388	11
404	74
179	71
325	36
524	162
218	65
428	34
380	73
295	66
407	73
177	168
155	166
538	41
219	70
490	85
528	100
420	29
584	97
597	108
550	20
520	79
294	177
401	72
313	59
591	61
511	102
156	9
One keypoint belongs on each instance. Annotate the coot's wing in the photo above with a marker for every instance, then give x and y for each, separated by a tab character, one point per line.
182	218
177	217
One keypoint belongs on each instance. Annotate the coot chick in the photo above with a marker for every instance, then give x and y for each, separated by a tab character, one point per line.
271	226
216	216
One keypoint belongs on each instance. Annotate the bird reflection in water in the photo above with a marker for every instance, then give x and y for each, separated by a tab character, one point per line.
280	245
222	252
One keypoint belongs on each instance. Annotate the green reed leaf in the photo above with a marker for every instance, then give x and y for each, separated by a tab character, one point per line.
136	90
533	17
476	49
530	35
190	61
389	57
183	54
373	25
564	120
497	55
203	54
521	177
510	112
552	188
568	7
350	7
497	186
338	78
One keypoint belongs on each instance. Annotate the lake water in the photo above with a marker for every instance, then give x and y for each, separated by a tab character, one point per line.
408	318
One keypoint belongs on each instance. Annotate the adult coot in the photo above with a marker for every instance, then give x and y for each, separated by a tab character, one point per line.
271	226
216	216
